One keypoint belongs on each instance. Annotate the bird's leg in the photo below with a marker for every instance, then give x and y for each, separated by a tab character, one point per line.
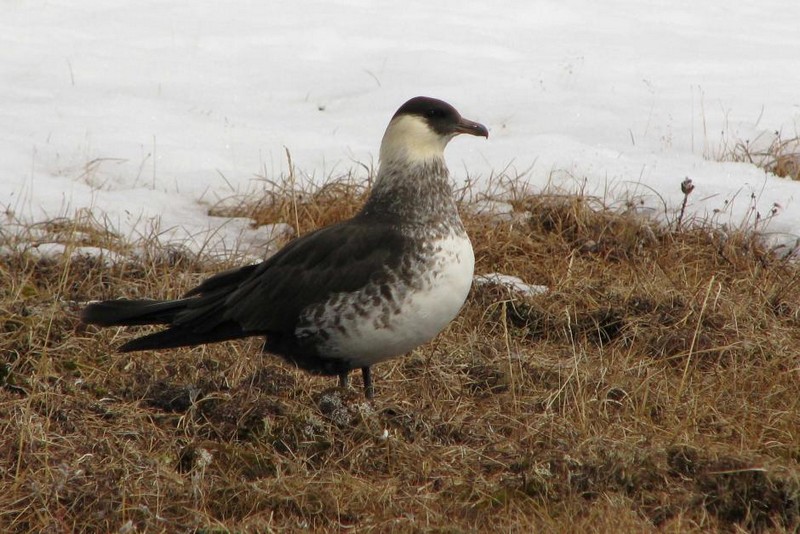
344	380
369	391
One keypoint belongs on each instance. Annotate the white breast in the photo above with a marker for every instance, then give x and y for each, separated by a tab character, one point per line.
420	310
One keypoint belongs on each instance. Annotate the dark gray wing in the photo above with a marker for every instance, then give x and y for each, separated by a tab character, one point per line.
270	296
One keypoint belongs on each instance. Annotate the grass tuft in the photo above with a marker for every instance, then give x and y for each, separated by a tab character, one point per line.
774	153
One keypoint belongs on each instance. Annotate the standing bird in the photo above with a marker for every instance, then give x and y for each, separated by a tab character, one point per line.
348	295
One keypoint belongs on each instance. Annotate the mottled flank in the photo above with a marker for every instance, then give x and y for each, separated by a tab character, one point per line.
404	309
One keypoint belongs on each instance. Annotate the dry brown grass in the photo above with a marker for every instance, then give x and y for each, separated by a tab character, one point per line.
655	387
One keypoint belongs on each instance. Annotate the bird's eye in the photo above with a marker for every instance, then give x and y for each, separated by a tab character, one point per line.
434	113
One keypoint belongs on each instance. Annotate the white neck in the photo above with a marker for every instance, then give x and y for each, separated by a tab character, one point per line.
409	139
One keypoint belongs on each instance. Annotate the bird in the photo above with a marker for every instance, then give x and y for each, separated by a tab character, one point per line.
349	295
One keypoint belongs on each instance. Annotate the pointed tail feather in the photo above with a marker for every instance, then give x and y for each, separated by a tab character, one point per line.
182	337
125	312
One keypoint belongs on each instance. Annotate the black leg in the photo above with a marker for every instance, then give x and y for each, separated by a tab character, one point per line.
369	391
344	380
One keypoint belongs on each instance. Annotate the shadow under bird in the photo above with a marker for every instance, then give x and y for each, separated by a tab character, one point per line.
349	295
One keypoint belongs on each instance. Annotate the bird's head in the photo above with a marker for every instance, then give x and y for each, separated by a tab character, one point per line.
422	127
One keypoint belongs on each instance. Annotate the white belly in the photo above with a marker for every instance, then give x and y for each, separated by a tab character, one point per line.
419	313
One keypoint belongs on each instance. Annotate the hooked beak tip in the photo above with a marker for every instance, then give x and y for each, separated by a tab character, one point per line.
472	128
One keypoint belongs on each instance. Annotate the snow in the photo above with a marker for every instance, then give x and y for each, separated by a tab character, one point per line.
513	283
147	113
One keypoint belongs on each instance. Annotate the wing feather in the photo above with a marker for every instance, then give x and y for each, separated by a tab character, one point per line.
270	296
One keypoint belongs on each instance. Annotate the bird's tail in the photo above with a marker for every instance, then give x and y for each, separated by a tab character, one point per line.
192	320
126	312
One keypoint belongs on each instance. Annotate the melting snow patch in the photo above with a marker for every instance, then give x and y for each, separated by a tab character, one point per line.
512	282
782	244
492	207
49	250
52	250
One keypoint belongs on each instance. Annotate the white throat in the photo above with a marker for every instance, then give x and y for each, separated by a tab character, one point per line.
408	138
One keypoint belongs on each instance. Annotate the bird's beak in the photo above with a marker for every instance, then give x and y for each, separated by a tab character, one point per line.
465	126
